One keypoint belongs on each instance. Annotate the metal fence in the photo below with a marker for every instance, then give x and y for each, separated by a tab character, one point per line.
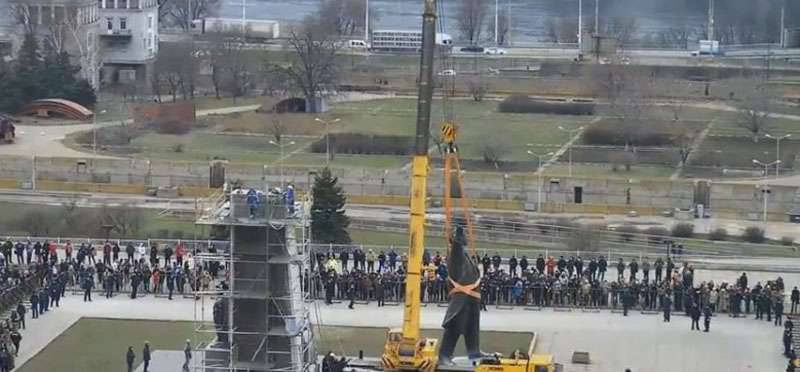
590	239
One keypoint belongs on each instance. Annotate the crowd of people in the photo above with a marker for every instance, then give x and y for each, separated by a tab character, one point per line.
41	273
133	270
657	286
548	282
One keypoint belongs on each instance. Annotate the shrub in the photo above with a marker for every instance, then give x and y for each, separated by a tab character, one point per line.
522	104
787	240
656	234
173	127
718	234
613	133
178	147
626	232
683	230
753	234
365	144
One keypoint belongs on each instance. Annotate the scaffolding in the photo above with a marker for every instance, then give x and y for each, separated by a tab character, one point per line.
259	320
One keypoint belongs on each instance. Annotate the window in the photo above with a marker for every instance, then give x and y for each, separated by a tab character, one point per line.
150	22
110	23
123	23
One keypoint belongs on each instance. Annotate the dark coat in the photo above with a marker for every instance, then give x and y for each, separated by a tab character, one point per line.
463	271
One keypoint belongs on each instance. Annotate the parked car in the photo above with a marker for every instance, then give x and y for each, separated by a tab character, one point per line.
473	49
495	51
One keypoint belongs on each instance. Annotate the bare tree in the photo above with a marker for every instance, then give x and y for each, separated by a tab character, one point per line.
22	15
36	222
752	102
561	30
584	238
275	127
494	151
124	220
164	10
178	66
623	28
312	62
183	12
684	138
631	108
503	26
677	36
231	67
167	71
86	41
345	17
478	87
469	19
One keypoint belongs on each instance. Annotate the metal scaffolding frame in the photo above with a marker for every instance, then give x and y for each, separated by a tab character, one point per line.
267	325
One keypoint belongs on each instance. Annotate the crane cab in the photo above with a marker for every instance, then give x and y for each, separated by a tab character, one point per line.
401	354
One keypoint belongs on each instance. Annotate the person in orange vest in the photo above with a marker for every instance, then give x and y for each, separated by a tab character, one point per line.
179	252
551	265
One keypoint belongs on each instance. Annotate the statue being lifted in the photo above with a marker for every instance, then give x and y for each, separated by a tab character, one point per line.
463	310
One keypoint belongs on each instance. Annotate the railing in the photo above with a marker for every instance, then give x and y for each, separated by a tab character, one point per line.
569	297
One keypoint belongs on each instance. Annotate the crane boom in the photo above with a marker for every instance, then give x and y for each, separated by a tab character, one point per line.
406	349
420	174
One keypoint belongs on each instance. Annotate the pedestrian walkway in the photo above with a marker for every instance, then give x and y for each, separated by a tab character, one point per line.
639	342
40	332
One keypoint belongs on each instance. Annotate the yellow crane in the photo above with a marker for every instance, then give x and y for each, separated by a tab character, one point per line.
406	349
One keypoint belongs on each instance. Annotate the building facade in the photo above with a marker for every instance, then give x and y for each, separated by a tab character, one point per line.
112	40
128	32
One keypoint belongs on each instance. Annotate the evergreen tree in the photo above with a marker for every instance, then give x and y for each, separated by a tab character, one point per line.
34	76
28	69
11	99
328	220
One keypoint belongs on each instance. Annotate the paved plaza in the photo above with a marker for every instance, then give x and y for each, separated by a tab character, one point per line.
640	342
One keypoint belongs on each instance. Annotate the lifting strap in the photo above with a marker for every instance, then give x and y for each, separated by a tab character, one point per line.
468	289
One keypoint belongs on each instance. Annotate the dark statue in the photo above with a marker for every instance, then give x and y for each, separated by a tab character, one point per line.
463	310
220	320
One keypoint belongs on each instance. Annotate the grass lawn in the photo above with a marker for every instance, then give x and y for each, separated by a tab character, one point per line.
202	145
739	152
480	124
152	227
101	344
344	160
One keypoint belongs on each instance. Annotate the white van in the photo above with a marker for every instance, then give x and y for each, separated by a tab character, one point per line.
357	44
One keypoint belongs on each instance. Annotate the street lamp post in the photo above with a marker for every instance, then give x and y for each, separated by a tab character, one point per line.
778	151
580	25
539	171
280	164
765	191
327	137
572	133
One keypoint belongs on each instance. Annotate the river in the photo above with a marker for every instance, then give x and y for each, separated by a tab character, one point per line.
528	17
